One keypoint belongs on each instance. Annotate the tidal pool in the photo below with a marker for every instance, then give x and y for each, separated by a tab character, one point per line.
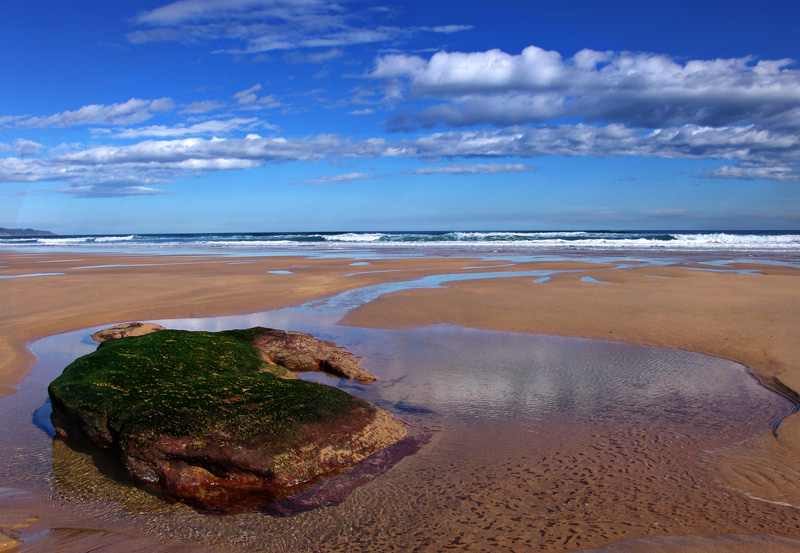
533	443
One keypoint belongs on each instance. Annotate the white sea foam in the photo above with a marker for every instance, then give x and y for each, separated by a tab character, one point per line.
521	241
356	237
114	238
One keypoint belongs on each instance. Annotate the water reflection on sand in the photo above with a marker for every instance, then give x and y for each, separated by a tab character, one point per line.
539	443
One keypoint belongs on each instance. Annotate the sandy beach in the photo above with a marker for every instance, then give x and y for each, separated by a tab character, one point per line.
749	313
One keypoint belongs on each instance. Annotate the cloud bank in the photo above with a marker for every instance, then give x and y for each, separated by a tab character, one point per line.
635	89
474	110
162	161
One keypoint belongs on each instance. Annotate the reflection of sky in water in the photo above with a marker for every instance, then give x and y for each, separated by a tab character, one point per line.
593	280
469	373
465	373
31	275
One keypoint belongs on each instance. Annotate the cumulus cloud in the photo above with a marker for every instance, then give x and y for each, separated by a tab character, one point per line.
636	89
133	111
639	104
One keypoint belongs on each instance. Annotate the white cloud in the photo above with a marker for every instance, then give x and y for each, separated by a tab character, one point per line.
133	111
327	55
257	26
189	11
341	36
459	169
248	96
203	106
249	100
109	190
637	89
474	169
17	169
339	179
780	174
449	29
6	120
689	141
211	127
173	153
27	148
752	153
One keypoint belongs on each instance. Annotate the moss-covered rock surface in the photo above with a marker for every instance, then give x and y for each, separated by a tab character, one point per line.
202	417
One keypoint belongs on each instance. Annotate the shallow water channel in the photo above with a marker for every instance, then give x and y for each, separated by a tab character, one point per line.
533	443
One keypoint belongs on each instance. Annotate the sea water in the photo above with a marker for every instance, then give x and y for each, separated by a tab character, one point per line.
420	242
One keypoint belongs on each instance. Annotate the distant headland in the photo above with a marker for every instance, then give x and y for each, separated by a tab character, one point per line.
22	232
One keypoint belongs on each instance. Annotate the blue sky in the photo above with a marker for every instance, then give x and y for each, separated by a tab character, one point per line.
274	115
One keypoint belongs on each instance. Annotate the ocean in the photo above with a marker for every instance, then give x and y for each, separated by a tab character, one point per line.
532	242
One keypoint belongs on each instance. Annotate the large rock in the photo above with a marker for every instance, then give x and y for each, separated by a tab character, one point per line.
204	418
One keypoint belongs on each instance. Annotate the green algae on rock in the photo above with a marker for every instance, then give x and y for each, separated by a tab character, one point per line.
210	419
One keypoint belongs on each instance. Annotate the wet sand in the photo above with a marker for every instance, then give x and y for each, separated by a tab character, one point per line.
750	318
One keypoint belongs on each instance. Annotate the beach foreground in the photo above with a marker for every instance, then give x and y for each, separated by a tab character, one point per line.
749	313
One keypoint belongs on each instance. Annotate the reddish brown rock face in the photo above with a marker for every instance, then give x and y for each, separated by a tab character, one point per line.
298	352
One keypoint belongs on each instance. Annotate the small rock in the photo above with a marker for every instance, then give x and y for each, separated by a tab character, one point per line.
124	330
299	352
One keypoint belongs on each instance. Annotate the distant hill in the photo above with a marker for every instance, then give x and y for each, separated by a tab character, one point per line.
5	232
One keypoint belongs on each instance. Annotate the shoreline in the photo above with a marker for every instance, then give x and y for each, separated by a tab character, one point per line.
748	313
